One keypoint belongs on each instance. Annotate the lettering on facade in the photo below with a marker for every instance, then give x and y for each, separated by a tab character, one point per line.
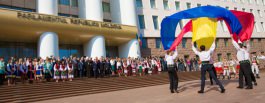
64	20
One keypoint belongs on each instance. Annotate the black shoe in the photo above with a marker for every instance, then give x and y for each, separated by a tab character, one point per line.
223	91
249	88
200	91
239	87
172	91
255	83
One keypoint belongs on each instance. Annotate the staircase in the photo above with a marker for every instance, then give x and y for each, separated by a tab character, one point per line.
52	90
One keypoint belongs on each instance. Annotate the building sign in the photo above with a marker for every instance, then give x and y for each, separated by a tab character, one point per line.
65	20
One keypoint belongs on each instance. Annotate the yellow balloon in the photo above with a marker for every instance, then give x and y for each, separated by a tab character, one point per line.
204	31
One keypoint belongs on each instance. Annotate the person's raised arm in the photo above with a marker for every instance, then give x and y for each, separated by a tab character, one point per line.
235	43
194	49
212	47
175	53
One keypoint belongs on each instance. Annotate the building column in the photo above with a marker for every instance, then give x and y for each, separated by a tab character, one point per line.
92	10
95	47
47	7
48	45
124	12
130	49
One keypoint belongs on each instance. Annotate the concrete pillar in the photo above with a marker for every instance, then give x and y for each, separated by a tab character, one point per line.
124	12
130	49
95	47
92	10
47	7
48	45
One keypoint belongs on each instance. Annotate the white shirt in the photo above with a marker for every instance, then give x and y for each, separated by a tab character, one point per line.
170	59
153	62
242	54
112	62
219	64
118	64
204	55
128	62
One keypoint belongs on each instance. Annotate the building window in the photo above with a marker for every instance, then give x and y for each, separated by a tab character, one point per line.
198	5
155	22
64	2
141	21
243	9
188	5
158	43
184	41
251	42
17	8
226	42
251	10
106	20
70	50
177	4
219	57
165	2
139	3
74	3
106	7
259	13
67	15
235	8
144	43
153	4
259	40
227	7
228	56
216	42
262	26
17	49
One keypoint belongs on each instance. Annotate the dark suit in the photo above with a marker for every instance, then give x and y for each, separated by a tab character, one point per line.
81	68
95	69
107	68
101	68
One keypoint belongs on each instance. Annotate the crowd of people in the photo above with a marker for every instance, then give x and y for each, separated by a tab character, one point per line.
66	69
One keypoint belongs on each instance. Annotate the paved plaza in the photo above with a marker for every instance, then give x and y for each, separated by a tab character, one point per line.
188	94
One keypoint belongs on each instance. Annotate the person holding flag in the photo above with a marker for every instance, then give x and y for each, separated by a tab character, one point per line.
205	57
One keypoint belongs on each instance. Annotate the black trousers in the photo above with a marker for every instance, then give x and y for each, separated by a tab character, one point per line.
88	74
95	73
2	78
173	78
208	68
245	71
214	71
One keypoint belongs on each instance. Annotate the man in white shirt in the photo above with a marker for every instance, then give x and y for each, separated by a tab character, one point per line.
205	57
173	77
245	67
